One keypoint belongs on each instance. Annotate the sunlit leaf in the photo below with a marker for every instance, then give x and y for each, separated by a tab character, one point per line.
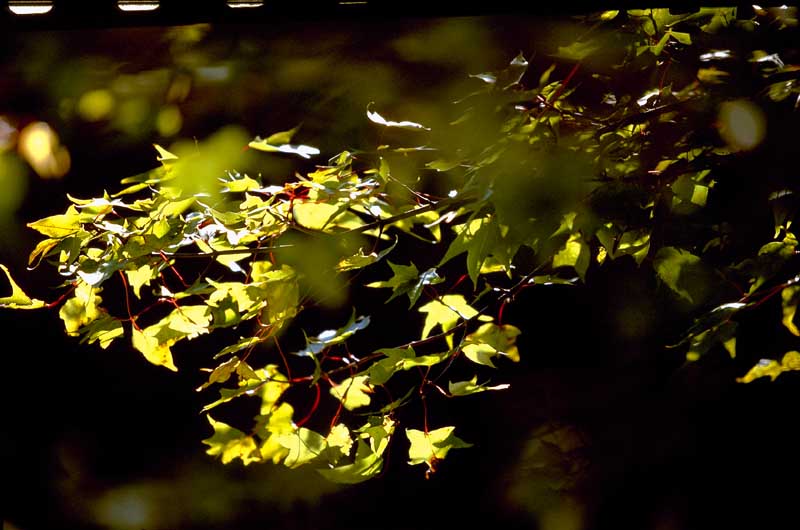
304	446
81	309
140	277
361	260
18	299
465	388
380	371
446	312
103	330
339	441
366	465
330	337
221	373
428	448
380	120
772	368
491	340
353	392
229	443
790	298
59	226
682	272
279	143
407	280
576	254
153	350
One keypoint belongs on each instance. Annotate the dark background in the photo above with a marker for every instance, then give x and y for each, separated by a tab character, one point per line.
101	439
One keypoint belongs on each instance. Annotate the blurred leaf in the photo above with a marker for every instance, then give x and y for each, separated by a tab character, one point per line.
380	120
577	51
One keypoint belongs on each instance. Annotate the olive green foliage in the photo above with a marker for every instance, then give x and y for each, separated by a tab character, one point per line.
541	178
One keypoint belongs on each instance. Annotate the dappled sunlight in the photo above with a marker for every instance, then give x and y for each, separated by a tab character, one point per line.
279	261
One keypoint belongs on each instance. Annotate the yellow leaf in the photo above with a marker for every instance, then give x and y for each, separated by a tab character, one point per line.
446	312
772	368
353	392
230	443
154	351
18	299
81	309
790	298
58	226
491	340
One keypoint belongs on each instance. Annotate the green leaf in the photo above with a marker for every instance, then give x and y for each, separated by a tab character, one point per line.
380	371
103	330
513	73
353	392
491	340
366	465
431	447
683	38
41	250
683	272
659	47
268	384
479	238
576	254
330	337
59	226
577	51
407	280
140	277
221	373
361	260
465	388
305	151
446	313
373	439
772	368
18	299
724	333
321	215
304	446
424	360
283	137
229	443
